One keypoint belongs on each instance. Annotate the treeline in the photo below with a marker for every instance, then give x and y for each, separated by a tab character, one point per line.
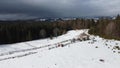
107	28
20	31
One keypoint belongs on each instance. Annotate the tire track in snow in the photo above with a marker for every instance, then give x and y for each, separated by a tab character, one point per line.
18	56
34	48
51	46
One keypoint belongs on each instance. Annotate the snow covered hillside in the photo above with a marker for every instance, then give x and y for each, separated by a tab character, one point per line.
94	53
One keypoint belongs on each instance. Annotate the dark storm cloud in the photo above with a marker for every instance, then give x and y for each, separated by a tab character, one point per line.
19	7
57	8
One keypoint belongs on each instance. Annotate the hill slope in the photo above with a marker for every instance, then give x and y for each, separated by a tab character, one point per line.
94	53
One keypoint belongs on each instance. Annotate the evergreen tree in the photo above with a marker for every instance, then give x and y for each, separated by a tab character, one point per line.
29	36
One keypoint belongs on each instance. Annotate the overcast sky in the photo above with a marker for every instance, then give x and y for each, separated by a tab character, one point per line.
57	8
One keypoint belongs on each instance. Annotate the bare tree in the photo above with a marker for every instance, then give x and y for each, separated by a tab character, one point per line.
56	32
42	33
110	29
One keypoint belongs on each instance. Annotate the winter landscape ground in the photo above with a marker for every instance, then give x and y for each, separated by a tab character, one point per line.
45	53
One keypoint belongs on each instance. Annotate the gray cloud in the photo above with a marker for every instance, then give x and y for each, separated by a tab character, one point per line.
58	8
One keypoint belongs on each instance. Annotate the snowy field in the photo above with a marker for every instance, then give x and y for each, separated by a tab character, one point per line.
94	53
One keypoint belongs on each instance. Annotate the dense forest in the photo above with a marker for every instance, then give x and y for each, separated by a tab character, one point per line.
20	31
107	28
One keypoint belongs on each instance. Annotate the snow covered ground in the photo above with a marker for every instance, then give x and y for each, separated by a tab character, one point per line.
94	53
